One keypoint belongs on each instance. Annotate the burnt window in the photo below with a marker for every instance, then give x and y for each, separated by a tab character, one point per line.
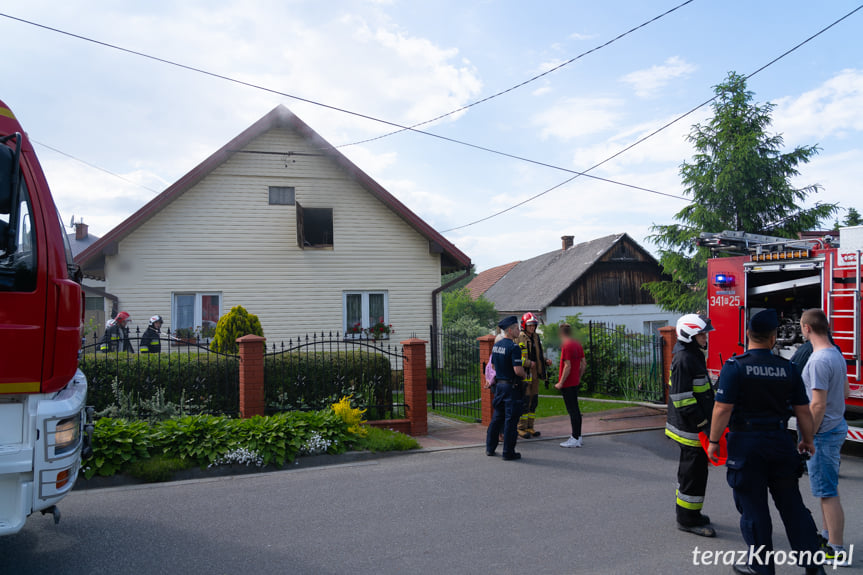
314	227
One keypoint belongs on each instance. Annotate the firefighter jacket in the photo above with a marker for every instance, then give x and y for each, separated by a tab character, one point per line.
150	342
690	395
533	347
116	338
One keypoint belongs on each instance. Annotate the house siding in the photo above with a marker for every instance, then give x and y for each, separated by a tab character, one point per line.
223	236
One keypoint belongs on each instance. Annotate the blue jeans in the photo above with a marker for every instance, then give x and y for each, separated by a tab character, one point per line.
824	464
507	405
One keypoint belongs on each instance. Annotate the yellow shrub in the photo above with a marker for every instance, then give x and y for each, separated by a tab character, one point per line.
351	415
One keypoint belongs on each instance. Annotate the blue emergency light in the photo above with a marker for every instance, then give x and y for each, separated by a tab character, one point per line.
723	280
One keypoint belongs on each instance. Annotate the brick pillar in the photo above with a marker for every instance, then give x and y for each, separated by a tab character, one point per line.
669	338
416	399
251	375
486	342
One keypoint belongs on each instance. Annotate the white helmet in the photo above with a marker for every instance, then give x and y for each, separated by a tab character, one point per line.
691	325
155	318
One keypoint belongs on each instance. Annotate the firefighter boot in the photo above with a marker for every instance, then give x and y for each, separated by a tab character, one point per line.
531	417
522	428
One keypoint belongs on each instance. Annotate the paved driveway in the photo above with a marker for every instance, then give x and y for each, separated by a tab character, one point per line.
605	508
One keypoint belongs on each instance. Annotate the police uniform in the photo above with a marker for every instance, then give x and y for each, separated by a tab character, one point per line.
507	403
762	455
150	342
690	406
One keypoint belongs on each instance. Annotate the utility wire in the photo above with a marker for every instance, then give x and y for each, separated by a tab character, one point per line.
524	83
650	135
94	166
335	108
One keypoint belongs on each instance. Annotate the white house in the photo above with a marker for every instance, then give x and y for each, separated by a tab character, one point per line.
280	222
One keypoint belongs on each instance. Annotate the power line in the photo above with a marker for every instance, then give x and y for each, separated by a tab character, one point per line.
94	166
524	83
650	135
327	106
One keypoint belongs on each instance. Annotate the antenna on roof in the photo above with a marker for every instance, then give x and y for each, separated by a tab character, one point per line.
72	223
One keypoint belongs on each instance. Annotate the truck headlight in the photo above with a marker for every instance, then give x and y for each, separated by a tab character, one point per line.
67	434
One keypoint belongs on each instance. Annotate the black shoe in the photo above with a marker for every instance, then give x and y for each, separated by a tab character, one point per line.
536	433
744	569
511	456
490	453
702	530
819	570
702	519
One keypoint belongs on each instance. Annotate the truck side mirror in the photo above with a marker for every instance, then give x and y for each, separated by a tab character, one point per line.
7	165
9	169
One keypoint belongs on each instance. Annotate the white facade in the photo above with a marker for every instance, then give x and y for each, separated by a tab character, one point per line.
223	238
638	318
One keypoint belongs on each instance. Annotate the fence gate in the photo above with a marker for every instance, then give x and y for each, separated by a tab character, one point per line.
454	375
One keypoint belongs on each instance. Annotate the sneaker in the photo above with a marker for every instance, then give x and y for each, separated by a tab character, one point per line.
571	442
836	557
580	441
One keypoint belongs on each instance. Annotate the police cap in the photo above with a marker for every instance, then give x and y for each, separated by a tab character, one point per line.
764	321
507	321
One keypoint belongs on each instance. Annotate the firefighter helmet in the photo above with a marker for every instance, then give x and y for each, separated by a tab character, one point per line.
691	325
528	318
155	318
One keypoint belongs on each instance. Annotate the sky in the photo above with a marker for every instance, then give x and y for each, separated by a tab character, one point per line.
114	129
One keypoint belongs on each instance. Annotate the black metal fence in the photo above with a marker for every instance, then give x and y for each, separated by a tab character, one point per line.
454	375
185	377
313	372
622	363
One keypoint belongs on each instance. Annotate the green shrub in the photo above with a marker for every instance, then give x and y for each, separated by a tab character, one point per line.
116	443
199	439
235	324
379	439
299	381
192	382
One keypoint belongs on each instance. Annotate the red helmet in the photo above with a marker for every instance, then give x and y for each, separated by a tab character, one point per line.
528	318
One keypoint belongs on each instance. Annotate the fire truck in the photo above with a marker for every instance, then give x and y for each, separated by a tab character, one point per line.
43	419
752	272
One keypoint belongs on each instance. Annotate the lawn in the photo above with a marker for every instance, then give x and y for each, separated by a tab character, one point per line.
550	406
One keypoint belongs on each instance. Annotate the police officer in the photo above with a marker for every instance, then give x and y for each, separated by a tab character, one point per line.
150	342
690	406
508	393
116	336
756	395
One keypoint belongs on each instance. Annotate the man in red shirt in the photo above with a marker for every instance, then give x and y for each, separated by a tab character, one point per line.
572	366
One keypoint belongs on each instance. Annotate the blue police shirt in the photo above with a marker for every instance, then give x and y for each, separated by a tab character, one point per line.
505	355
761	386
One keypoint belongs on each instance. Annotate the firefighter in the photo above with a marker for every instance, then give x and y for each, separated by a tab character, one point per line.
150	342
116	336
690	407
534	364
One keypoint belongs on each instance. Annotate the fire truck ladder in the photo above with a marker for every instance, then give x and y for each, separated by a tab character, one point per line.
846	312
743	242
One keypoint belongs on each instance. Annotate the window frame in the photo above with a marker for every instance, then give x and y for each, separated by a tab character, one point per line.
301	228
198	311
364	312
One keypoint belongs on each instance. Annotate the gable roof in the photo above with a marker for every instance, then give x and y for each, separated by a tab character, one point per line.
484	280
279	117
534	284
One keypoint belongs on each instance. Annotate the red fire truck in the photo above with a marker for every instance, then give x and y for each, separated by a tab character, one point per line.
42	392
790	276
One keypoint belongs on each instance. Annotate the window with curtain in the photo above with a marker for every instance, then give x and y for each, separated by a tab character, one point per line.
196	314
364	310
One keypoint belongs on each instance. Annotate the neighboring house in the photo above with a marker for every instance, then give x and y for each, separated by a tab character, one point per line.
280	222
480	284
601	280
94	290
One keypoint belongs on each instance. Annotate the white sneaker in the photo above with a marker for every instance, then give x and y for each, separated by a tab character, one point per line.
836	558
580	442
571	442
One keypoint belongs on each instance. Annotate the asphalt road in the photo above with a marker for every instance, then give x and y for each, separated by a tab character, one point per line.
605	508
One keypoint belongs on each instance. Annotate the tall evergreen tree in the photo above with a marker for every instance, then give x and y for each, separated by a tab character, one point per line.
852	218
738	180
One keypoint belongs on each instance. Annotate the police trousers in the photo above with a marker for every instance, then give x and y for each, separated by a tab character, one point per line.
507	404
767	461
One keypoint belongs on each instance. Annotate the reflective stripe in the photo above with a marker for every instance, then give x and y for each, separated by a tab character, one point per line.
693	502
685	402
7	112
678	396
22	387
683	437
144	349
701	385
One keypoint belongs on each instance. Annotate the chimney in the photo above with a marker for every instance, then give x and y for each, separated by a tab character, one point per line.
80	231
567	242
